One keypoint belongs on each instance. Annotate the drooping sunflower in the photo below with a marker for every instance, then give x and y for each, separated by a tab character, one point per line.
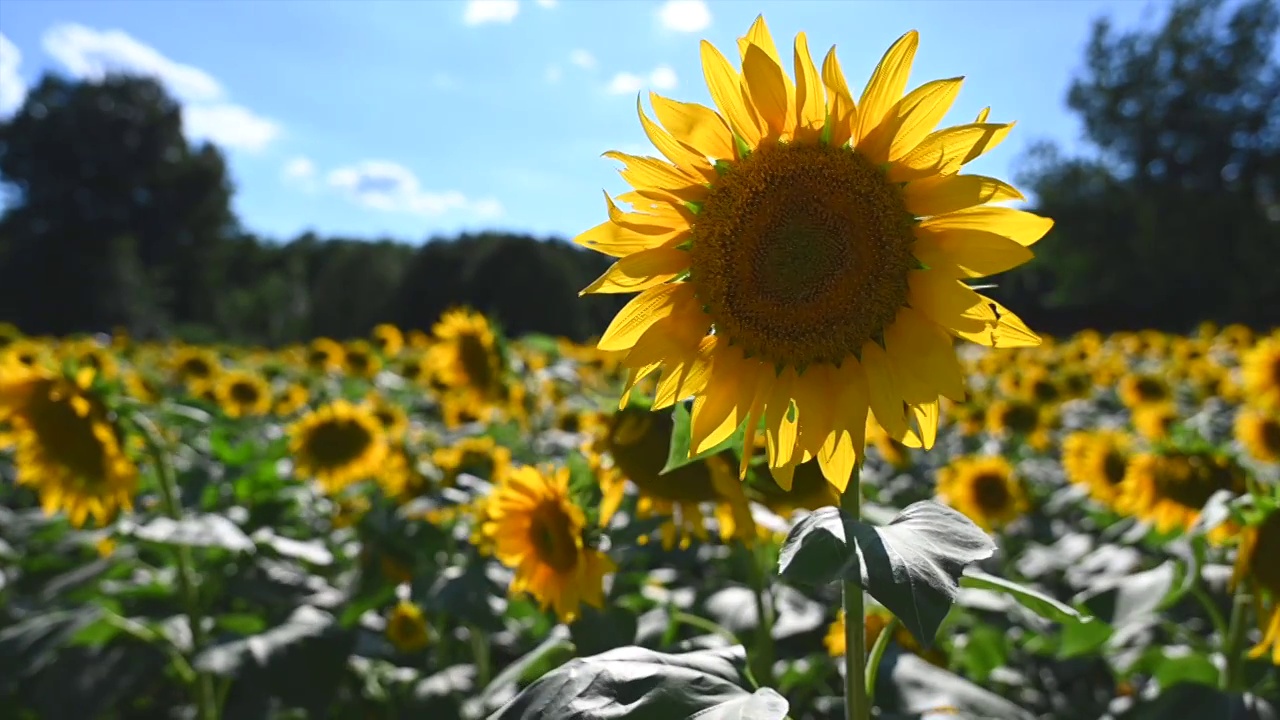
801	258
406	628
986	489
388	339
1170	489
142	387
537	530
1098	461
1259	433
68	445
242	393
633	447
1258	542
1260	368
337	444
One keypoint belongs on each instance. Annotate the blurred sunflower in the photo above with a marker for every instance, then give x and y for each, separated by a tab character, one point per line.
633	447
68	446
142	387
406	628
893	453
393	418
388	339
1022	419
194	367
9	333
290	399
479	456
337	444
324	355
467	362
412	366
537	530
25	352
242	393
986	489
1155	422
1259	433
1170	489
1256	543
825	246
1138	389
1097	461
877	620
1260	368
360	360
89	354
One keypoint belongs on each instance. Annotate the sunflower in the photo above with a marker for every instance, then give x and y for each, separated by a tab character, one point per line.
1260	368
194	367
634	446
324	355
388	339
393	419
1155	422
985	489
1259	433
479	456
802	260
337	444
9	334
89	354
1257	542
242	393
290	399
406	628
1138	389
142	387
26	352
412	366
68	445
537	530
1170	489
1098	461
466	360
877	620
360	360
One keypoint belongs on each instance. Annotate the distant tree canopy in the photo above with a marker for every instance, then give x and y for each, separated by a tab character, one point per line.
115	219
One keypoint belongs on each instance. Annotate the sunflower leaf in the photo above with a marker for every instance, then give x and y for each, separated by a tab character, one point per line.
1037	602
912	565
678	452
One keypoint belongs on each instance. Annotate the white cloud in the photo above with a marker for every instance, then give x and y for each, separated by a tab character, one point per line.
391	187
300	172
479	12
548	4
12	89
625	83
582	59
685	15
207	114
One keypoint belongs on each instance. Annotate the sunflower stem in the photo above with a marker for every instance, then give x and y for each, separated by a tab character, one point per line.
206	701
1233	643
877	652
764	617
857	705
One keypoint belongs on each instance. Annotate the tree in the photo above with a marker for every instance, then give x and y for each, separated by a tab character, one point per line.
1175	216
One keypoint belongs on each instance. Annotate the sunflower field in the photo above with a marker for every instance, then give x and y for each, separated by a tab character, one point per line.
808	471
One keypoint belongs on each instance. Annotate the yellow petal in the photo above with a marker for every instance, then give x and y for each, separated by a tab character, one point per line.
811	106
842	114
641	312
764	386
926	352
780	429
697	126
767	87
725	402
644	173
883	395
948	302
666	212
983	114
968	253
926	415
613	239
1020	226
842	449
945	151
684	158
725	86
911	120
760	36
687	376
814	409
887	83
641	271
941	194
1007	332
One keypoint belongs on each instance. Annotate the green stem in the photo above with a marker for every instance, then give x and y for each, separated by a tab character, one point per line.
206	702
480	651
857	705
764	620
1210	609
877	652
1233	642
702	623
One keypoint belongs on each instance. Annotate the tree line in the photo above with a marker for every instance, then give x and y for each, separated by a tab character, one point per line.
1170	217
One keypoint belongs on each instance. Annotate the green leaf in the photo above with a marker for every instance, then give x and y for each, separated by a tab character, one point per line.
595	631
1035	601
912	565
1132	599
922	688
204	531
763	704
637	683
555	643
678	451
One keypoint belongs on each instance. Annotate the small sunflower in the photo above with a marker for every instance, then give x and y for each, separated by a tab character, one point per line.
1170	489
337	444
1098	461
1258	542
1017	418
290	399
142	387
68	445
406	628
537	530
479	456
194	366
467	362
26	352
802	260
388	339
1155	422
634	447
241	393
89	354
360	360
412	366
1260	368
986	489
324	355
1259	433
393	418
1138	389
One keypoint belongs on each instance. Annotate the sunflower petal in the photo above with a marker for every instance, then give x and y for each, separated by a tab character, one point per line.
641	271
911	120
684	158
1008	331
887	83
697	126
883	395
725	86
942	194
725	403
926	352
811	106
640	313
842	114
842	449
1020	226
968	253
646	173
948	302
766	85
945	151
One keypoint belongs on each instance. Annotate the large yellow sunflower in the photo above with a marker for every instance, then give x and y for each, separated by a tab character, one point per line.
1256	543
537	530
986	489
338	444
1261	373
67	443
801	258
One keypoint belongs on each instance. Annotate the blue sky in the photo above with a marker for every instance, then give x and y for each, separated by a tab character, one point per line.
417	118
